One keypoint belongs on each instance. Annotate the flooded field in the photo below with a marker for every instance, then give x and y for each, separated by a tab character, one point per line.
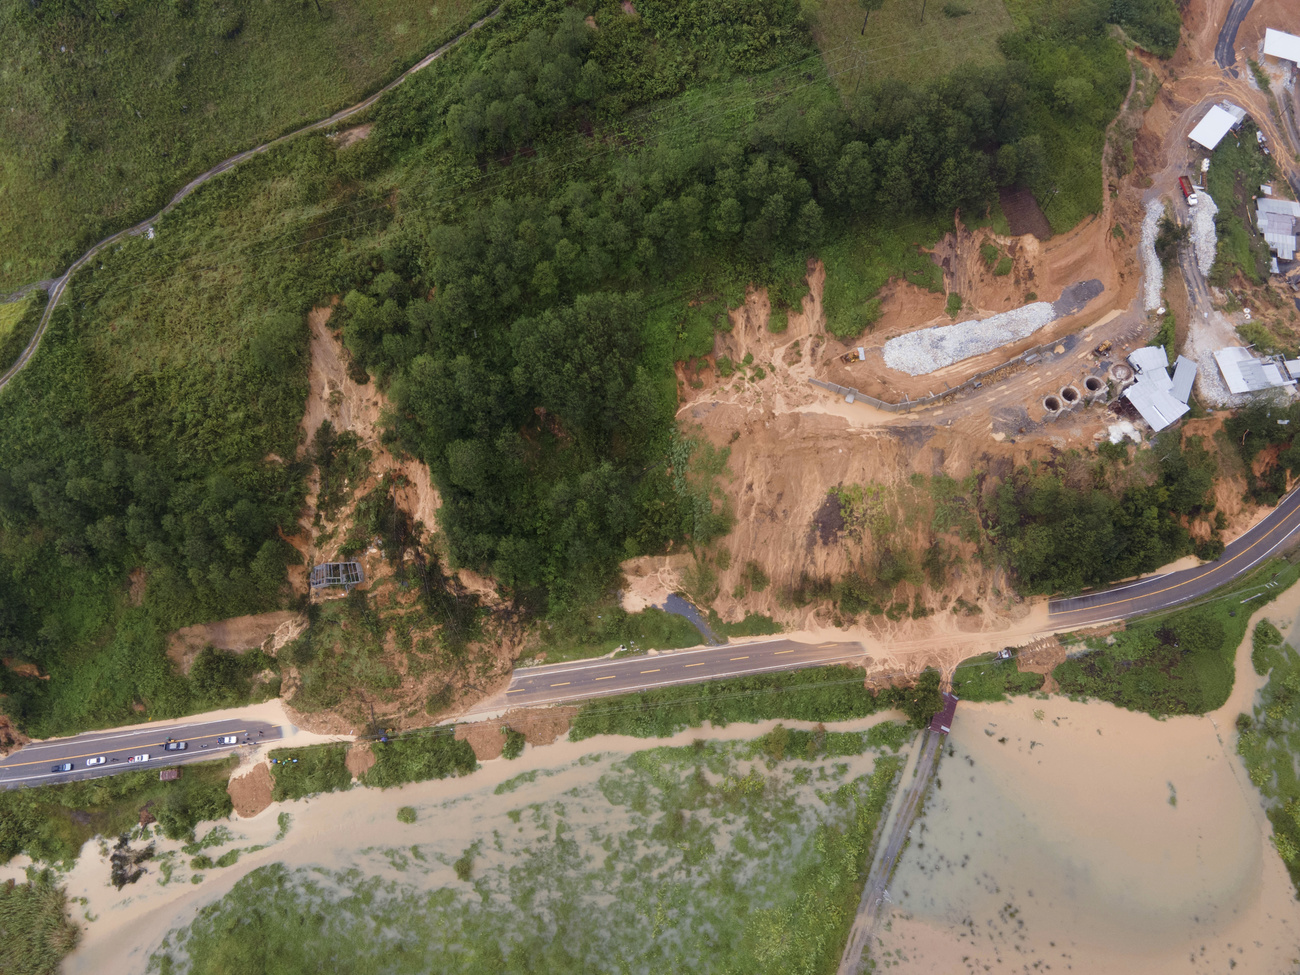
701	856
1081	837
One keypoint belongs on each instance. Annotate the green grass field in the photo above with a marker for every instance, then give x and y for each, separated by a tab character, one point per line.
1176	662
711	858
898	44
1270	736
11	314
106	118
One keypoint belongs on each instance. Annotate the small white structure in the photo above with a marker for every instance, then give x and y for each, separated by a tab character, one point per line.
1155	395
1293	368
1281	45
1276	219
1210	130
1243	373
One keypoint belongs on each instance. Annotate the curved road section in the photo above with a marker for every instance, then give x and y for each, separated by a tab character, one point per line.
1161	592
34	764
59	285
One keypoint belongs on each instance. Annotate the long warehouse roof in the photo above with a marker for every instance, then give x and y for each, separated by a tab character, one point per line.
1280	44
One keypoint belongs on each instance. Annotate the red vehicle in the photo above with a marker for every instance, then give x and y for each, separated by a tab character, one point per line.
1189	191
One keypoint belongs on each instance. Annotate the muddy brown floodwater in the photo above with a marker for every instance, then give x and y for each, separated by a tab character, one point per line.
340	831
1092	839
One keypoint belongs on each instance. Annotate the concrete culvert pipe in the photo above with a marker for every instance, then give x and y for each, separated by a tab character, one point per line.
1051	404
1070	395
1121	373
1093	385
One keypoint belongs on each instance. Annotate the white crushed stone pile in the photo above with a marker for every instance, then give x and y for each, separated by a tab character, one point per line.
1153	279
1203	236
928	349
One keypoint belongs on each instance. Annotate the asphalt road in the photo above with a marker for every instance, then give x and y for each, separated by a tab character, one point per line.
30	765
583	679
1225	48
1160	592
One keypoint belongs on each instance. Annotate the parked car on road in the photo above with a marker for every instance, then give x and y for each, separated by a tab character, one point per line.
139	758
65	767
96	761
176	746
228	740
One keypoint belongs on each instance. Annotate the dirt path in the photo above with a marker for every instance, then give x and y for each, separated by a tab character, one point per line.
59	285
906	806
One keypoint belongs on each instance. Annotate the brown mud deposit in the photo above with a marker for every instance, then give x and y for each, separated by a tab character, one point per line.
1089	838
250	793
10	737
539	726
360	758
341	831
267	631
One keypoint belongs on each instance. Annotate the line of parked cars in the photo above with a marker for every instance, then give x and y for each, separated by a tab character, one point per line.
170	746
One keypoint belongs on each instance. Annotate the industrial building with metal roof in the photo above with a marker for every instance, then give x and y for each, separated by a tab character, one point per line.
1276	220
1159	399
1218	122
1243	373
1280	44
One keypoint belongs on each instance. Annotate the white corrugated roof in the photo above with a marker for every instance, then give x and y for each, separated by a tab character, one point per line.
1157	406
1245	374
1211	129
1149	358
1280	44
1184	374
1293	367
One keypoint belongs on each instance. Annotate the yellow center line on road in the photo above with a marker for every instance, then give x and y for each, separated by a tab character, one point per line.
701	664
825	645
655	671
610	677
516	690
779	652
73	758
563	684
1186	582
739	658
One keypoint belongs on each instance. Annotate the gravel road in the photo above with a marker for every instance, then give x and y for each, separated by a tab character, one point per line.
1203	235
1153	277
928	349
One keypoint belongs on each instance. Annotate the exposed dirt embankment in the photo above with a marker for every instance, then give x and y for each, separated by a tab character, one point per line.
251	792
539	726
268	631
349	406
10	737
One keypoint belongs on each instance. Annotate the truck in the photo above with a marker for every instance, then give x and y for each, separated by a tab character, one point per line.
1189	191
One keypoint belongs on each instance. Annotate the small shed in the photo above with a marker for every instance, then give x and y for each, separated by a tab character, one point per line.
169	774
1281	45
942	722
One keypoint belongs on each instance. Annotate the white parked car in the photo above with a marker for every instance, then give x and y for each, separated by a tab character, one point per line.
96	761
228	740
139	758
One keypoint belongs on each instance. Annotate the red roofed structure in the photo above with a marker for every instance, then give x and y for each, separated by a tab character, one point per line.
942	722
